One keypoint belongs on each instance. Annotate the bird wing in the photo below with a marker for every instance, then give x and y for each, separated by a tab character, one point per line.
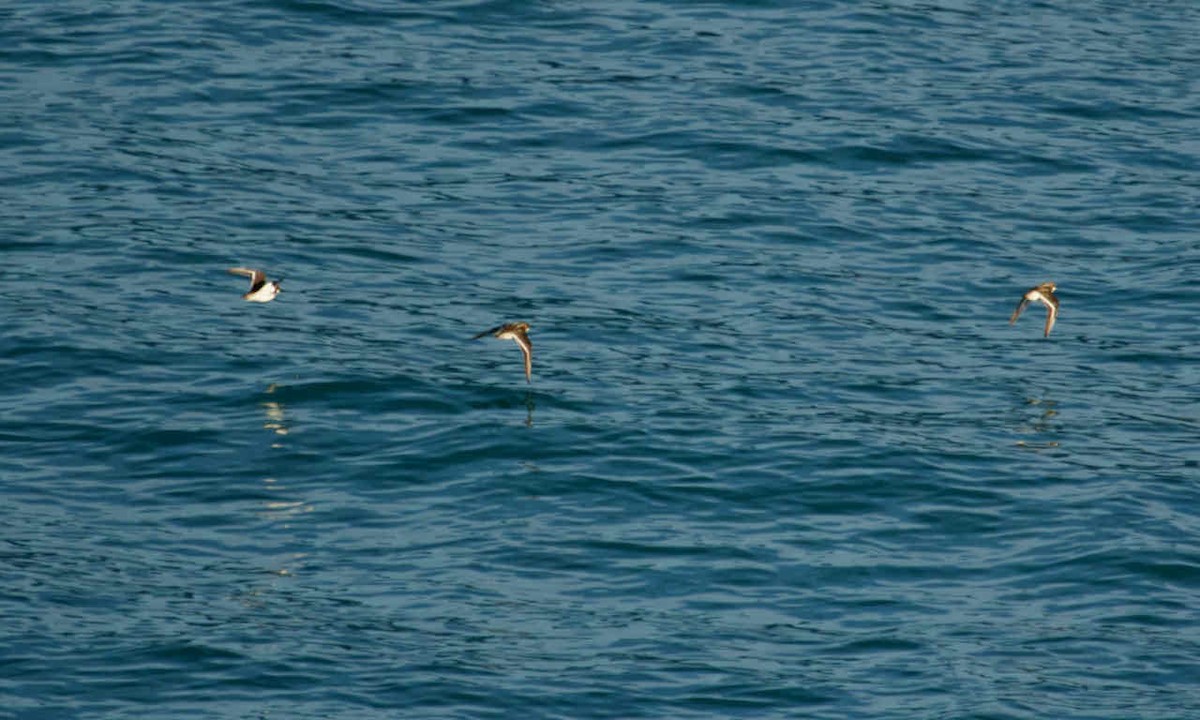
1051	316
1017	312
257	277
487	332
527	350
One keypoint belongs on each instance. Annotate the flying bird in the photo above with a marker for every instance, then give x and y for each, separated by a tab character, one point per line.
260	290
518	333
1044	294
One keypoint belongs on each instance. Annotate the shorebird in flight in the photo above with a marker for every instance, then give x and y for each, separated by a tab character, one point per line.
260	289
518	332
1044	294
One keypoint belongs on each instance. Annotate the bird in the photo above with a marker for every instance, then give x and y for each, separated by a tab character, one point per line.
260	290
518	332
1044	294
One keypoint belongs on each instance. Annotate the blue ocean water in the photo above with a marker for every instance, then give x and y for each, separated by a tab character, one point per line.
782	455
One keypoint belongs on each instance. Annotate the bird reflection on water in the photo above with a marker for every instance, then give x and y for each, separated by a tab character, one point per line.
1045	423
275	419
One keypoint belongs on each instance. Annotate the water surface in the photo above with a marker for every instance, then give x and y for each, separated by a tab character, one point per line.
782	455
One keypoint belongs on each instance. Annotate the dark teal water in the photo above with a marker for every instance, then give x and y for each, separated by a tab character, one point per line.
782	457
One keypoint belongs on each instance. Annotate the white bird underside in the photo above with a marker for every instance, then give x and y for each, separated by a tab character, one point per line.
260	289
